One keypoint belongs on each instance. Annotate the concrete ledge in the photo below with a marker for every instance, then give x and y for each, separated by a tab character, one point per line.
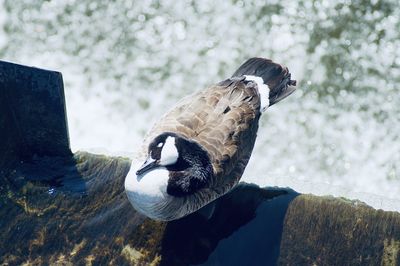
251	225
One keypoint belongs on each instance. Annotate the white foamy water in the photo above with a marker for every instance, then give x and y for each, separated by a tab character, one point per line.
125	64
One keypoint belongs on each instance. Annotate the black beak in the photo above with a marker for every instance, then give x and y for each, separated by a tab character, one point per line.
148	165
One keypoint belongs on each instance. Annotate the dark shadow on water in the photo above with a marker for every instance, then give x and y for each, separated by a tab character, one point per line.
57	174
245	229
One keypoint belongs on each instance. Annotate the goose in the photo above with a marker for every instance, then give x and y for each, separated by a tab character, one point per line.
199	149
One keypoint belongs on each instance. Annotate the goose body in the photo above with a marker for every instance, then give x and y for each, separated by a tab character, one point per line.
198	150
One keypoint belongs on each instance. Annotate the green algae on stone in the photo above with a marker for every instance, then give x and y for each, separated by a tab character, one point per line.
391	252
332	231
85	218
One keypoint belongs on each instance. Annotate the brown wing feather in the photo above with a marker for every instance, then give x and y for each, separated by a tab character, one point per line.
223	119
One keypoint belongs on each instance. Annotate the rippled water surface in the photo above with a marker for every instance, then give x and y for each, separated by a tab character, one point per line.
125	64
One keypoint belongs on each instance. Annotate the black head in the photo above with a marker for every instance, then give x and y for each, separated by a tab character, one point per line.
188	163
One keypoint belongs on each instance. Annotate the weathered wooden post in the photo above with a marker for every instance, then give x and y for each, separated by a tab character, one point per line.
62	208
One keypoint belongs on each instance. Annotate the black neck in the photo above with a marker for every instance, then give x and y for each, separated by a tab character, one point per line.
191	172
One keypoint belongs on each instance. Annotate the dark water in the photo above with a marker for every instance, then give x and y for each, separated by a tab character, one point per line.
257	240
245	229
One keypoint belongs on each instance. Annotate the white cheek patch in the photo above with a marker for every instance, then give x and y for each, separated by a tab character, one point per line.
169	153
263	90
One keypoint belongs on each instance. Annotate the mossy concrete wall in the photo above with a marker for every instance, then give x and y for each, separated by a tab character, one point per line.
335	231
65	222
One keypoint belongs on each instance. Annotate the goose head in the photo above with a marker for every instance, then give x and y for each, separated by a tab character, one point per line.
174	170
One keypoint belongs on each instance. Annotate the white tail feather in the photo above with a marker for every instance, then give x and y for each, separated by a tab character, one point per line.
263	91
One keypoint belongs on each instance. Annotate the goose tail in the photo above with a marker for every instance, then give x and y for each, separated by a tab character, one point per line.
275	76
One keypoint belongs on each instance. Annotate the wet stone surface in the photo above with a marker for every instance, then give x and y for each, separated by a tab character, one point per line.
336	231
84	217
